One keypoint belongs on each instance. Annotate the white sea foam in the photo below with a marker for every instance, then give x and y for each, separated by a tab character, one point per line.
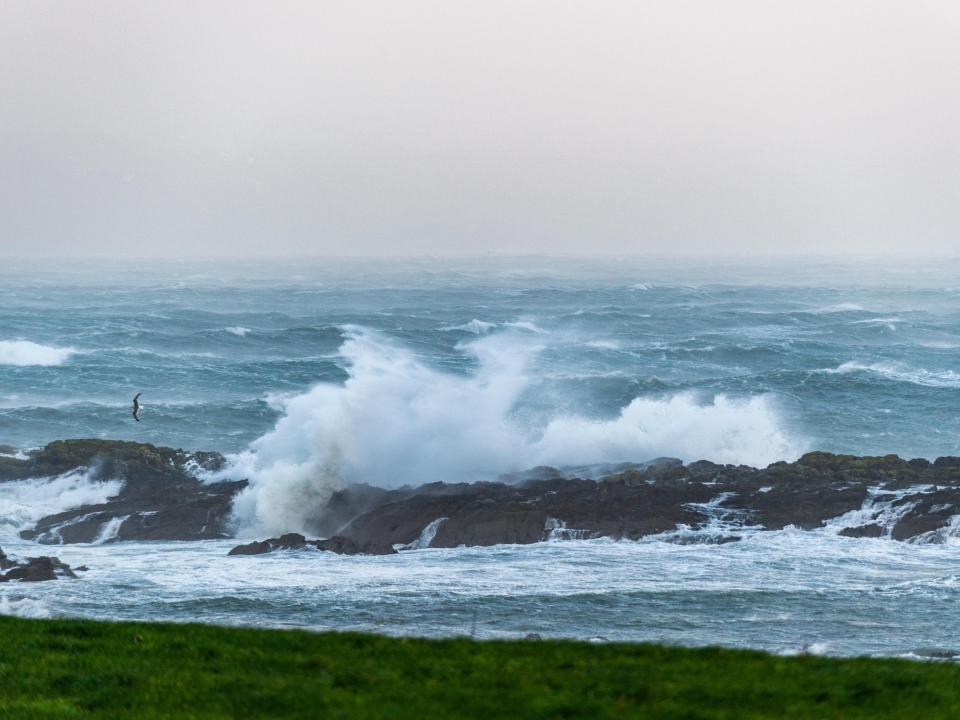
881	507
23	353
238	331
23	502
23	607
477	327
839	308
110	530
397	421
426	536
482	327
877	321
900	373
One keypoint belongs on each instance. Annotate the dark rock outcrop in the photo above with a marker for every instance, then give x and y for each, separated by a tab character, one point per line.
912	500
36	569
296	541
161	497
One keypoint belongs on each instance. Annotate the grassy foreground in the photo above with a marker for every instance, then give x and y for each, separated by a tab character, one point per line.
70	668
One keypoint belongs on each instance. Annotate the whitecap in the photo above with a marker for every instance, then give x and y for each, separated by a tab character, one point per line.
23	353
839	308
477	327
899	373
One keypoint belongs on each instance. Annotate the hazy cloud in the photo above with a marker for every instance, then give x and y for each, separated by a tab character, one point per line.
418	126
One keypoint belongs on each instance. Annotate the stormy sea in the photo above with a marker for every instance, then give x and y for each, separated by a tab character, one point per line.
313	377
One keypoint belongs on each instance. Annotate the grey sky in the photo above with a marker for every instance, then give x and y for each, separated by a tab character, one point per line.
414	126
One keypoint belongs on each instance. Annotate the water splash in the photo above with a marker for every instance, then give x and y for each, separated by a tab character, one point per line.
396	421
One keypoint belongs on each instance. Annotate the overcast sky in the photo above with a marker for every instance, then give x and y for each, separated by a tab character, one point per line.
432	127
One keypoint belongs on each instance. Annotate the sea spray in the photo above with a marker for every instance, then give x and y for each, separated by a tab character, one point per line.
23	353
396	421
23	502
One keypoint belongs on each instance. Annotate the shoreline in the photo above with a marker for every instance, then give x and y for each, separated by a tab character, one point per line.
125	491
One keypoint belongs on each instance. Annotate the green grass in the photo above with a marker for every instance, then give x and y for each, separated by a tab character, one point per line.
71	668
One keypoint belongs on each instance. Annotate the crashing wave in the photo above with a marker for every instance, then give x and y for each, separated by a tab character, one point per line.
24	502
23	353
426	537
482	327
396	421
883	508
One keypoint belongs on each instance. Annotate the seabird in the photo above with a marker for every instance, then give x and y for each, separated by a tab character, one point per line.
136	406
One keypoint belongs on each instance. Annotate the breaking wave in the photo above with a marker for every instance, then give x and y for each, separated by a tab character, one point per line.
396	421
482	327
900	373
23	353
24	607
23	502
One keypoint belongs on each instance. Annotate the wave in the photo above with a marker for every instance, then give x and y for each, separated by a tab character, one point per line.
482	327
23	353
238	331
23	502
396	421
24	607
839	308
900	373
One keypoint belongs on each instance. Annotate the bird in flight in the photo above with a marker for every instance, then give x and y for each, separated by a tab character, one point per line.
136	406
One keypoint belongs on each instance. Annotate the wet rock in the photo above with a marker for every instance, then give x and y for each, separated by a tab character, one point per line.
339	545
702	539
37	569
5	561
871	531
290	541
917	496
296	541
161	499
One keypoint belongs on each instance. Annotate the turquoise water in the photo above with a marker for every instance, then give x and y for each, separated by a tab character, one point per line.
315	375
849	358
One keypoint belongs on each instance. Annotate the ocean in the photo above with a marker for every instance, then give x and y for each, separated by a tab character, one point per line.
314	374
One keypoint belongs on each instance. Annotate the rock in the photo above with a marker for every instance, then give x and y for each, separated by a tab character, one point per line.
161	497
870	531
339	545
296	541
5	561
37	570
653	498
290	541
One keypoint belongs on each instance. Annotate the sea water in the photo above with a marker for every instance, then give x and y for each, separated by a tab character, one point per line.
314	375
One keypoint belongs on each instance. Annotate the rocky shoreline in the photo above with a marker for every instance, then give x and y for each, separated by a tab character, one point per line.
162	498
